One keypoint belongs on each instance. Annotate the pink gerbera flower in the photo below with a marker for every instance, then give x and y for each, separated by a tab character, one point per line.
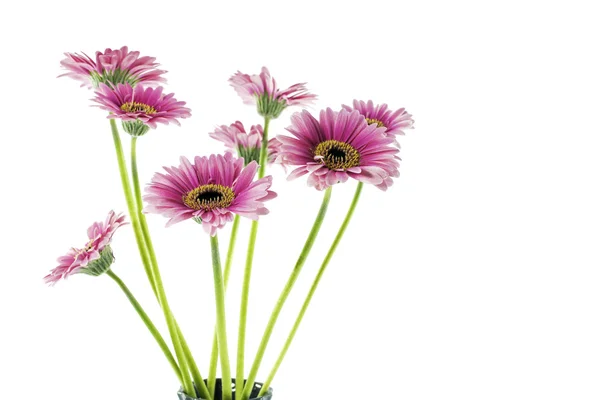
394	122
246	144
210	191
112	67
95	257
140	108
262	90
338	146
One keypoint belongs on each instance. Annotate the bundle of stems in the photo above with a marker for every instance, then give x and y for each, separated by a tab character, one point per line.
183	363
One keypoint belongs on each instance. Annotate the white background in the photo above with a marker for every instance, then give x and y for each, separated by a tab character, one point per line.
475	276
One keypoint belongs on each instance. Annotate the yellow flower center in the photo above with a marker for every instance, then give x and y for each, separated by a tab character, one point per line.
135	107
337	155
209	197
375	121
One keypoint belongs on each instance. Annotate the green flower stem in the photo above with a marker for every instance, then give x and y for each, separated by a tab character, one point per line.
214	354
139	237
221	324
313	288
264	149
151	272
148	322
230	250
248	272
239	377
135	177
191	363
284	294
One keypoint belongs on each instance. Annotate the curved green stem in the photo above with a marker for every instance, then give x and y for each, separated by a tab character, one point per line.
221	321
285	293
152	273
186	352
148	322
248	271
214	354
313	288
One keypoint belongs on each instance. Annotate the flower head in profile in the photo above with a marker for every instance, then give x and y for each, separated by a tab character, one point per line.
211	191
262	90
394	122
112	67
247	145
95	257
140	108
338	146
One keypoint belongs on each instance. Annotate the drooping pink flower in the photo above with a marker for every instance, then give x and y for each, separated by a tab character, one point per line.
95	257
338	146
140	108
246	144
394	122
262	90
112	67
211	191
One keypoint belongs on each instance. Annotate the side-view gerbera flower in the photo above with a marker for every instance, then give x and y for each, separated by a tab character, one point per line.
262	90
246	144
211	191
140	108
338	146
394	122
95	257
112	67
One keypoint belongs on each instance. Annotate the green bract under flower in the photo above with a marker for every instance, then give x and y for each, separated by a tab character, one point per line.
269	107
100	265
112	78
135	128
249	154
